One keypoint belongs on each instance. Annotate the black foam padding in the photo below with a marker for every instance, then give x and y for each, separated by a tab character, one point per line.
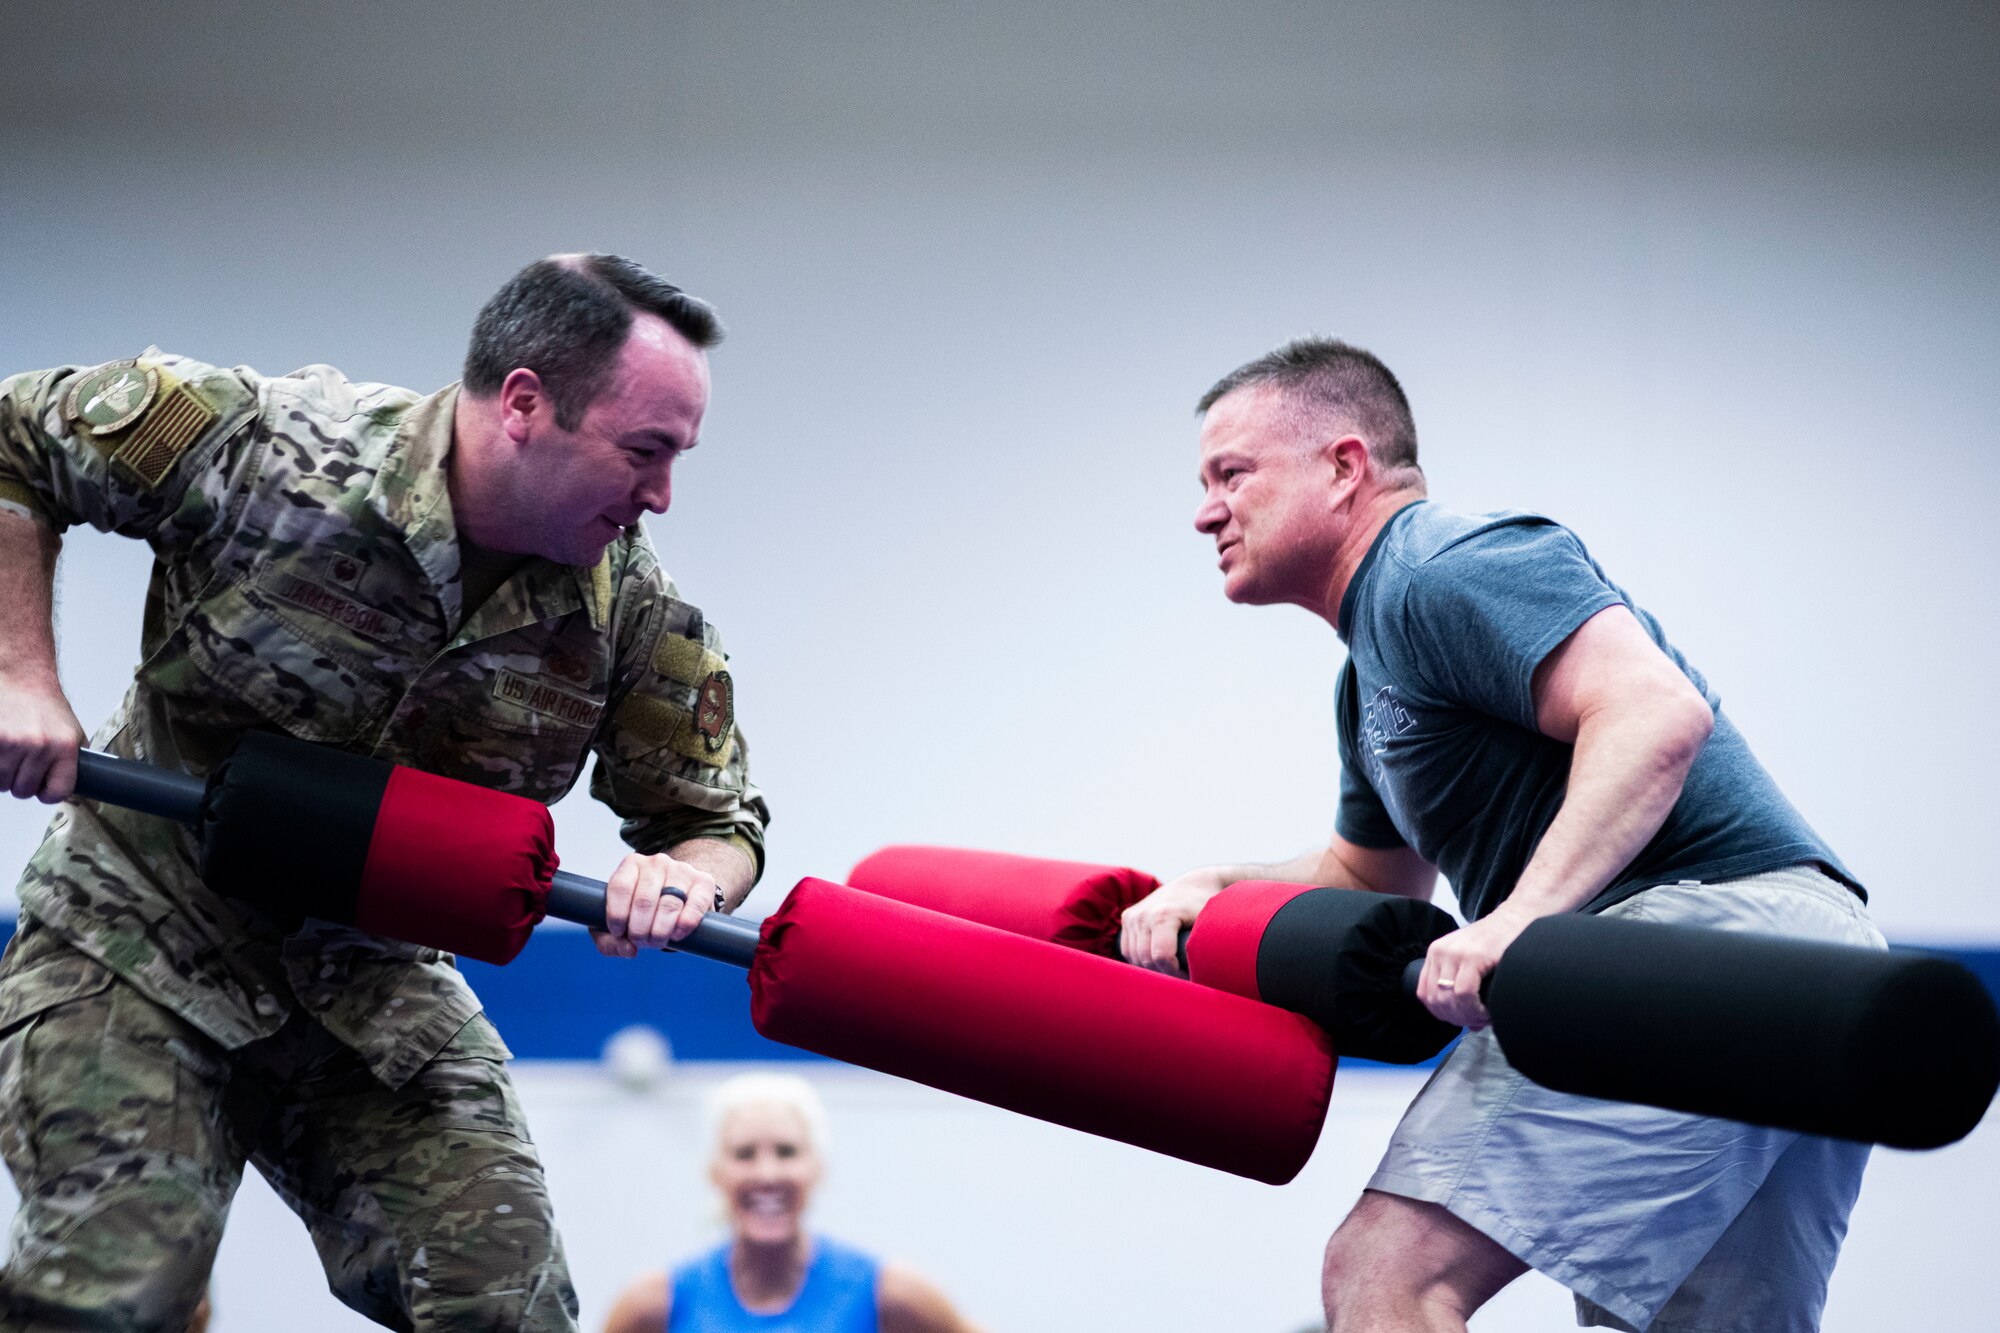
1885	1047
1337	956
286	825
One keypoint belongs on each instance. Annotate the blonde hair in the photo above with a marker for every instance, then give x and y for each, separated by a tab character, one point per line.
764	1089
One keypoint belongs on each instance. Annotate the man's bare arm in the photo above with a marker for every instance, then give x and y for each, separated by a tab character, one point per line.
1637	724
39	733
1149	931
1397	870
733	869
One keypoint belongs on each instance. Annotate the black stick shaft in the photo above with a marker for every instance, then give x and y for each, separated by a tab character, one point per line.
177	796
137	786
1413	972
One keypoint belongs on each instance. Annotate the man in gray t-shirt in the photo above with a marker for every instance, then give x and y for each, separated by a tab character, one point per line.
1447	621
1509	716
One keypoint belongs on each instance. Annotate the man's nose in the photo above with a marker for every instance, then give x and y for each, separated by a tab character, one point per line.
656	492
1209	519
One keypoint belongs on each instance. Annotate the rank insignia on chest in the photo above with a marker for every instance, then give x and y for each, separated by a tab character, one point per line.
345	571
567	666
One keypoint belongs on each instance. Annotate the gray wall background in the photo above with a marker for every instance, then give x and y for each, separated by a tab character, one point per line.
1714	284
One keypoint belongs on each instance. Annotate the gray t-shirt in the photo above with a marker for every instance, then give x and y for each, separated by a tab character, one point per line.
1445	622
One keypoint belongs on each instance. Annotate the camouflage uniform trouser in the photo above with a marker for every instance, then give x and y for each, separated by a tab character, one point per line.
126	1130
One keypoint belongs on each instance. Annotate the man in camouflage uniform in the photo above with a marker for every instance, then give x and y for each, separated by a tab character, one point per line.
456	582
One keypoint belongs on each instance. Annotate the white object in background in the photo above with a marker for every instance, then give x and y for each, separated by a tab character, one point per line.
638	1057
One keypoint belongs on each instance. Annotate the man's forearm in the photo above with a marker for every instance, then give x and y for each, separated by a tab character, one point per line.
1625	775
27	597
1325	865
1301	869
735	870
1305	868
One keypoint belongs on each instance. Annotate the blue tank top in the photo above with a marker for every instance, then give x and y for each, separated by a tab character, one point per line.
838	1296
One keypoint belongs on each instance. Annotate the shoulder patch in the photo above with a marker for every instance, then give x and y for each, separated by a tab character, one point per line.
176	422
715	710
106	400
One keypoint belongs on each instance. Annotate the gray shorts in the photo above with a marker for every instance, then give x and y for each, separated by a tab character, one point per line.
1656	1220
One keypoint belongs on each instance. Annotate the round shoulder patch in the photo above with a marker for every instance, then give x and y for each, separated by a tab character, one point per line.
110	398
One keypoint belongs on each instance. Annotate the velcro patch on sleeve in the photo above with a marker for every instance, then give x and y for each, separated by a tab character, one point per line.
600	590
173	423
685	661
650	720
706	735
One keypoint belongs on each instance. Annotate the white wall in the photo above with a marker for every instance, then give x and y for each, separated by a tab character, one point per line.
1691	284
1716	286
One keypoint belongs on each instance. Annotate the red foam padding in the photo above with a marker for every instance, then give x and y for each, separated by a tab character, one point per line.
1222	951
456	867
1054	1033
1064	902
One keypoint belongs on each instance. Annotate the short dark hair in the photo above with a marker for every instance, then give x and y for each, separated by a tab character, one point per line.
566	317
1338	378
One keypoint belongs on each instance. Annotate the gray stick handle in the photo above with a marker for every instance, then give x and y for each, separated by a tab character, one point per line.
721	938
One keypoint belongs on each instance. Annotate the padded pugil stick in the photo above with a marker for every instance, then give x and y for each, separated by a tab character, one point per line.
1334	955
450	860
1064	902
1885	1047
303	830
1054	1033
405	895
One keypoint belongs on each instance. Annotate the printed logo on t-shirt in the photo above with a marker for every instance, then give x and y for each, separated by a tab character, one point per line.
1382	718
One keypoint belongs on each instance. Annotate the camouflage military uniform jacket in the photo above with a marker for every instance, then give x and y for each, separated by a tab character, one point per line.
306	581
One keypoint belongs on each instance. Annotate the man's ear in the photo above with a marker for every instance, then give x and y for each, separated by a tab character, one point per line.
523	403
1350	459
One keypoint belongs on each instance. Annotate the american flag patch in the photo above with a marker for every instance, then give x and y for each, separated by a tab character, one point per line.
175	422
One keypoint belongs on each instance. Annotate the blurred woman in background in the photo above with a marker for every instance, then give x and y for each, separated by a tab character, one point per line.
772	1275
